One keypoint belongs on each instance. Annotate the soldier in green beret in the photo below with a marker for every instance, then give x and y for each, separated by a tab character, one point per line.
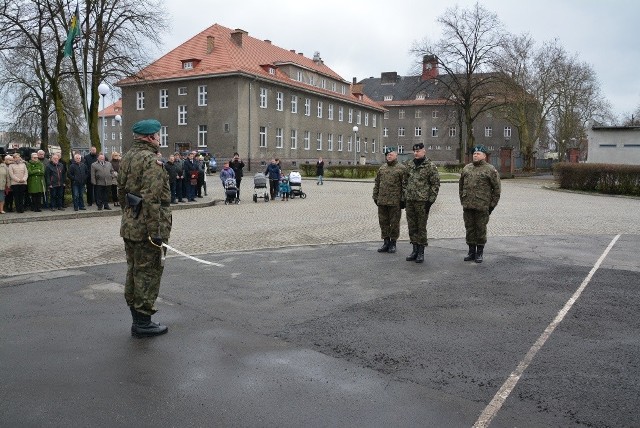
387	195
421	187
479	194
144	197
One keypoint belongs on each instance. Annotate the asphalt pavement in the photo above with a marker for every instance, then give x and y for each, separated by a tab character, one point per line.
305	324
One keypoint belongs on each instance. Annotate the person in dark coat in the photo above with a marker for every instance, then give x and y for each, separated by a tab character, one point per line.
319	171
237	165
115	164
78	175
191	176
172	170
273	174
55	174
89	159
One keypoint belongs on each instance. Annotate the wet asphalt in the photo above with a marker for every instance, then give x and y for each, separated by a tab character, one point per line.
333	335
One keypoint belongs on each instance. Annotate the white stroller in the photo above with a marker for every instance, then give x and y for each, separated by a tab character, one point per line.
295	182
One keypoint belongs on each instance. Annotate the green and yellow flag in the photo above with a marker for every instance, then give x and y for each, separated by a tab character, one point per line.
74	29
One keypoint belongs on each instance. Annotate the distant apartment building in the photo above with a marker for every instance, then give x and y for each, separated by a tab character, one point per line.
111	128
419	111
224	91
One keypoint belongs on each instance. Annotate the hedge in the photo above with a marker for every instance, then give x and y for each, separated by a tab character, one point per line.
599	177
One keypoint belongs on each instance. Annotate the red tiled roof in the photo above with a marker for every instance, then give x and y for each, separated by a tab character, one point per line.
228	57
112	110
414	102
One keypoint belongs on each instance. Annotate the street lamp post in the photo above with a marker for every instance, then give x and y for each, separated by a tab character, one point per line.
119	120
355	142
103	90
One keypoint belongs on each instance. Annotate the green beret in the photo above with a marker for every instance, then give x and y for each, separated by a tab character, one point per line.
146	127
418	146
388	150
480	148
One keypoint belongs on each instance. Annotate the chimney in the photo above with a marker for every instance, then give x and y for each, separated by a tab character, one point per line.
267	41
355	80
429	67
210	44
292	50
389	78
237	36
317	59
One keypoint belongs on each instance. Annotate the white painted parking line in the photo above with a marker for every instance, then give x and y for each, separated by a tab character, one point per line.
505	390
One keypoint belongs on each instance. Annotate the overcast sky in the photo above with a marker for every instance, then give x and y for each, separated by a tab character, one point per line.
364	38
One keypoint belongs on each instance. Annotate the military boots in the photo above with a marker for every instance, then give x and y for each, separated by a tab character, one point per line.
472	253
411	257
144	327
479	251
392	246
420	255
385	246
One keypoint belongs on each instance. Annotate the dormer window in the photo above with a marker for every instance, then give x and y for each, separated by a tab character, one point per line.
272	71
420	96
187	65
388	97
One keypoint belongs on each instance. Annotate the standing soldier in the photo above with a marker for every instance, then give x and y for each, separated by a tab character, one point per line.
479	195
422	183
387	194
144	196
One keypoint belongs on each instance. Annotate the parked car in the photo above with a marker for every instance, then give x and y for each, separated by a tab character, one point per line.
212	166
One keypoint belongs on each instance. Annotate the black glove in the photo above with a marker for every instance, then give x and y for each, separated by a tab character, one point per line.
156	240
403	205
375	201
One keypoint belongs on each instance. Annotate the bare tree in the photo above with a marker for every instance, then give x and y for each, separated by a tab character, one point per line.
471	43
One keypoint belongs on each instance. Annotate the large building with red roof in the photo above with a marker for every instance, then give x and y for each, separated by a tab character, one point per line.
224	91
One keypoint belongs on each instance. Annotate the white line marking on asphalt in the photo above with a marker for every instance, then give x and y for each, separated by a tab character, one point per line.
503	393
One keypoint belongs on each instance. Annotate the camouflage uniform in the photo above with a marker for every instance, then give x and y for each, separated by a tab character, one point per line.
143	174
479	195
387	193
422	183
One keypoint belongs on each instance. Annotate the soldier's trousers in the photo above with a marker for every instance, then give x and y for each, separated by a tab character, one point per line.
389	219
475	223
144	271
417	216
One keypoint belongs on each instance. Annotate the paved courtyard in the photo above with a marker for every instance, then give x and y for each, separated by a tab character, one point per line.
305	324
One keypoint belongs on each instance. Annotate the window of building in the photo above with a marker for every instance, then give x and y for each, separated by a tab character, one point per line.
330	112
279	138
434	131
401	132
385	132
340	142
388	97
294	139
164	98
507	132
323	83
333	86
307	140
374	116
350	143
418	114
279	101
140	100
164	136
113	136
343	89
319	109
350	116
400	150
449	148
438	148
202	95
434	114
202	135
294	104
359	118
312	79
263	97
227	128
386	115
182	115
187	65
373	145
452	131
307	107
418	132
319	141
340	114
400	114
300	77
366	119
420	96
330	142
357	144
182	90
488	131
263	136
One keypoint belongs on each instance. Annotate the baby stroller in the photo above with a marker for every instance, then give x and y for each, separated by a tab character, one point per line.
295	182
231	191
260	182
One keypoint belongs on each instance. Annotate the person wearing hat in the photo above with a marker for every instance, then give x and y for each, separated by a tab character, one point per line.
479	194
144	197
421	187
387	195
